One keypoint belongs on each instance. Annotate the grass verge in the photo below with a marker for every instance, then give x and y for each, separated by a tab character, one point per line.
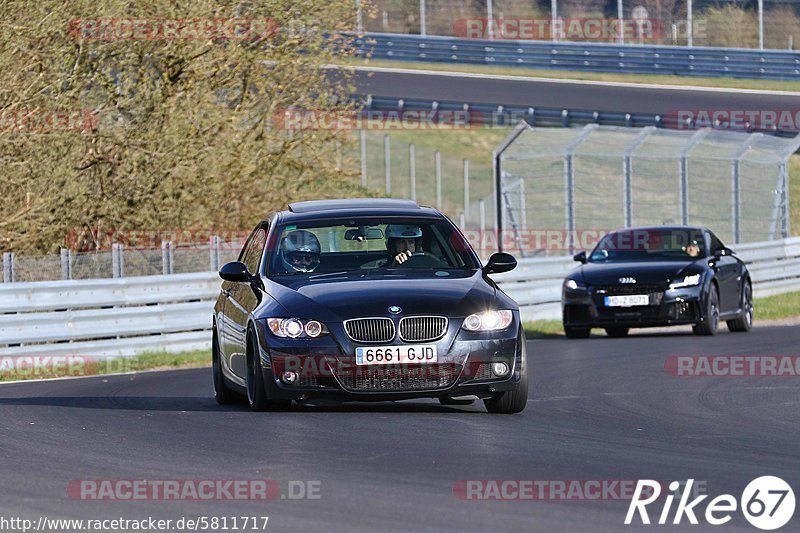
659	79
46	367
768	308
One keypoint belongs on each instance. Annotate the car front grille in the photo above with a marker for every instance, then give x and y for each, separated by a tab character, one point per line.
655	292
370	329
620	290
422	328
399	378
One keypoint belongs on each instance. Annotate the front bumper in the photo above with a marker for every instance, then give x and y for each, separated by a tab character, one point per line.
667	307
325	368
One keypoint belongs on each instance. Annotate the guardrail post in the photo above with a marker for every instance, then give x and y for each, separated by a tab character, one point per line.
362	137
117	260
437	159
66	263
166	258
412	170
8	267
214	252
466	192
387	163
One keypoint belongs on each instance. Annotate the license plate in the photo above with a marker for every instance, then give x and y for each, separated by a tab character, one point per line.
392	355
628	300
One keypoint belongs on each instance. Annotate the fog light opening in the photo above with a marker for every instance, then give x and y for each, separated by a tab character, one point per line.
289	377
500	369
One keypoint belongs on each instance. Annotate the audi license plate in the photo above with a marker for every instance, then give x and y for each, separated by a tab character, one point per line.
627	300
389	355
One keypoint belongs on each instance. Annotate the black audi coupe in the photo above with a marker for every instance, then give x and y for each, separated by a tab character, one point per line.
365	299
657	276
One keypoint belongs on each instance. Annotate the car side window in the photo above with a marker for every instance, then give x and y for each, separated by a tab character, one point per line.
716	244
253	250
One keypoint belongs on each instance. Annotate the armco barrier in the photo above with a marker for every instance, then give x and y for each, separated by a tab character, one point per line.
125	316
585	57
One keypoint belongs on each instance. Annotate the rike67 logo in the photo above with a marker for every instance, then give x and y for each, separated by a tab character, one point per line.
767	503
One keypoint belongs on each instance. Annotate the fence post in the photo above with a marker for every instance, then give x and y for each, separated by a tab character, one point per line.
359	18
689	31
117	260
8	267
462	221
785	230
482	224
214	252
422	25
412	170
66	263
437	159
489	16
166	258
620	24
387	163
554	29
466	193
362	136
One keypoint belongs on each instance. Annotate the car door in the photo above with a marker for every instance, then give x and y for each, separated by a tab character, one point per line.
726	269
242	299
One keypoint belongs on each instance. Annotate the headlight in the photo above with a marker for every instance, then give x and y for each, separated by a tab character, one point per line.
573	285
688	281
295	328
488	321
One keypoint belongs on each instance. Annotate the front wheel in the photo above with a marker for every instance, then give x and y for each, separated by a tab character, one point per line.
617	331
711	323
256	385
222	394
745	322
512	401
577	333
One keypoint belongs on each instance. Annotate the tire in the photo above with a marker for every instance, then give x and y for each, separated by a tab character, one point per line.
617	331
512	401
577	333
257	387
745	322
711	323
222	394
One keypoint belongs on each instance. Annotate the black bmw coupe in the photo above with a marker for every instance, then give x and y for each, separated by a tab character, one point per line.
657	276
367	299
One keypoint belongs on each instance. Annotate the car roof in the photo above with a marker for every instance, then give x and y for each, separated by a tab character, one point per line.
661	228
356	207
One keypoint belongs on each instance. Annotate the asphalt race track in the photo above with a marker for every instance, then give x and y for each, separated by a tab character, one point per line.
601	409
608	97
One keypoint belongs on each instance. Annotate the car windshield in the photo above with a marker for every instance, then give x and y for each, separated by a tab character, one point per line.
650	245
424	246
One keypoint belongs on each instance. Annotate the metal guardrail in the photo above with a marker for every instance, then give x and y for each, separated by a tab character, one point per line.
125	316
499	115
585	57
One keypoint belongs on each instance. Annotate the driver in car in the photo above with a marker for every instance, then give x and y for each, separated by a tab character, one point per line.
402	241
300	251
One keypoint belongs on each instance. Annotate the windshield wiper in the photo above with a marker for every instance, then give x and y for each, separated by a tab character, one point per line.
327	275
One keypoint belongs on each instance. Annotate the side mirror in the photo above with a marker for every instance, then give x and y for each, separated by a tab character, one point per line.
235	271
580	257
724	251
499	263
